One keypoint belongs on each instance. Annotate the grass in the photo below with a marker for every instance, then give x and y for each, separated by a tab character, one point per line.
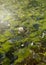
25	14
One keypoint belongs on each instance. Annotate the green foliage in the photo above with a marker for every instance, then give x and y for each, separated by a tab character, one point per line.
31	15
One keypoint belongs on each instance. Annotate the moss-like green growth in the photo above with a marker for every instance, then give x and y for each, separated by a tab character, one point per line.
23	32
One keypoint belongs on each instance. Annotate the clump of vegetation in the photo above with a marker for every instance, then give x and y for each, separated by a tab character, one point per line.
22	32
